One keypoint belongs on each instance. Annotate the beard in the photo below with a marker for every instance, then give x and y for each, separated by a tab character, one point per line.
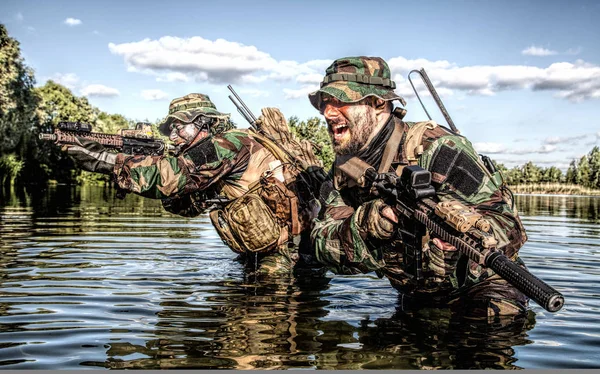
360	126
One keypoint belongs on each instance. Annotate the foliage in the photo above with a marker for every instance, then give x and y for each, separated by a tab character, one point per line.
315	130
17	99
10	166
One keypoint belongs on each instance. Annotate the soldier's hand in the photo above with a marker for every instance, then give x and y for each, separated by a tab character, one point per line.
377	219
442	259
91	156
184	206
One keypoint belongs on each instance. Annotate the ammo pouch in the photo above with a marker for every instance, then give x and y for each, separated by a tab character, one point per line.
257	222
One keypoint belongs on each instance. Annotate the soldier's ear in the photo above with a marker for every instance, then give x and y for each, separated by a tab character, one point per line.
379	104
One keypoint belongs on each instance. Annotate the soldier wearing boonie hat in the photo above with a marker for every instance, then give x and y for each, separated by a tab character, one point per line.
214	160
190	108
352	79
357	231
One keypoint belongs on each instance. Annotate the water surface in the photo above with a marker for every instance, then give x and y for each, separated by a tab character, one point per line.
88	281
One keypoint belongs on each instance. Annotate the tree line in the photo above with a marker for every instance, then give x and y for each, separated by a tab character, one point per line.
27	110
584	172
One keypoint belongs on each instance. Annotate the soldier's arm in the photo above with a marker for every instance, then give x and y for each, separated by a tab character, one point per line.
340	242
160	177
458	173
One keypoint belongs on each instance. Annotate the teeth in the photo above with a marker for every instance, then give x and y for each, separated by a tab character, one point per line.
337	127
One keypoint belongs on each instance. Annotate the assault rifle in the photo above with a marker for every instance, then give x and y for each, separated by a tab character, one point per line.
411	195
133	142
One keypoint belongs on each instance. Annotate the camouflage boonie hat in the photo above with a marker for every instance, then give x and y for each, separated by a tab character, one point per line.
188	108
351	79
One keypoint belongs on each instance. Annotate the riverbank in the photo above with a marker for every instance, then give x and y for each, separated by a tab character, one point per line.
553	189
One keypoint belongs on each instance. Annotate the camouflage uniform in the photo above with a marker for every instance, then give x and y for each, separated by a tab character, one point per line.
225	164
457	173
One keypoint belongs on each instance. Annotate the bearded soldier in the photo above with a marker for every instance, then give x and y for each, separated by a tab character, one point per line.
268	212
357	232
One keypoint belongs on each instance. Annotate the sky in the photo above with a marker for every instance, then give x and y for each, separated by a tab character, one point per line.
520	79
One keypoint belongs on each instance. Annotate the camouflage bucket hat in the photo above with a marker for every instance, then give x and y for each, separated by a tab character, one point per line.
351	79
189	107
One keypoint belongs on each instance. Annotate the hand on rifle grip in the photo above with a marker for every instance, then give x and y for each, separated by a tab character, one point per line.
441	258
377	219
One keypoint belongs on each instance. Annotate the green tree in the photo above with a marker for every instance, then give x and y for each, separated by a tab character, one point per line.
582	177
46	161
314	130
571	176
531	173
552	175
513	176
17	106
594	160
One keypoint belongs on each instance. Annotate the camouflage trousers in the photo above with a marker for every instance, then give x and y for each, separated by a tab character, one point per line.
483	294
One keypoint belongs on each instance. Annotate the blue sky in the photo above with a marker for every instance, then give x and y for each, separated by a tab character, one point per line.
520	79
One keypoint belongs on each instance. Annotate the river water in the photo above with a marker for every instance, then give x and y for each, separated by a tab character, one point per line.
88	281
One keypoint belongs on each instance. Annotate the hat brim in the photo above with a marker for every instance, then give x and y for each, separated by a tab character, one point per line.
352	92
187	116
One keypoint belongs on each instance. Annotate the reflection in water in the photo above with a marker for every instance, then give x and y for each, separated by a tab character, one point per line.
91	281
582	207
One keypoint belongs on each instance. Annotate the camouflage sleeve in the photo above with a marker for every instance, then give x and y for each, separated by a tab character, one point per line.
159	177
156	177
458	173
339	242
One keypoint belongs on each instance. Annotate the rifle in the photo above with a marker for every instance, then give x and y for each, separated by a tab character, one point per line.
411	194
133	142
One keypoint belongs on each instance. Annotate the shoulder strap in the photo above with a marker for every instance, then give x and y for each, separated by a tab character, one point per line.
414	139
391	148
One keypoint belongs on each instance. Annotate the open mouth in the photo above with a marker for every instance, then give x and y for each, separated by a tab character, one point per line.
339	131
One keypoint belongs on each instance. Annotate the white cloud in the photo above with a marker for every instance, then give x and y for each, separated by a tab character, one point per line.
173	77
489	148
99	90
538	51
499	148
573	51
72	21
201	59
154	95
254	93
19	17
69	80
299	93
552	140
573	81
174	59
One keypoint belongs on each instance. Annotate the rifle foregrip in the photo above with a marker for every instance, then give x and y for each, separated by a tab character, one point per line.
542	293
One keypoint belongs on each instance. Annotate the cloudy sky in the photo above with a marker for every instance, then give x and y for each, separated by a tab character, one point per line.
520	79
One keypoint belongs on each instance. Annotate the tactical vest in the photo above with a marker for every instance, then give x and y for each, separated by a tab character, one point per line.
269	214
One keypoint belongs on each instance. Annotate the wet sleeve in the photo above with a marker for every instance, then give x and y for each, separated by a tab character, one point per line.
156	177
340	244
458	173
160	177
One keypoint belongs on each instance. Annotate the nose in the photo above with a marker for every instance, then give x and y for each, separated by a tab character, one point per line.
330	111
174	135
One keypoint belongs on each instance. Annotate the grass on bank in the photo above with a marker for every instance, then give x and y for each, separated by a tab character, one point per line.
554	189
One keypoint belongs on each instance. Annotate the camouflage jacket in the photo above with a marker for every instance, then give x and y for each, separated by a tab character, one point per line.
457	173
229	163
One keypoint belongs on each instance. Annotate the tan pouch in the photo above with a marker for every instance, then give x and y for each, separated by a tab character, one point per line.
247	225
